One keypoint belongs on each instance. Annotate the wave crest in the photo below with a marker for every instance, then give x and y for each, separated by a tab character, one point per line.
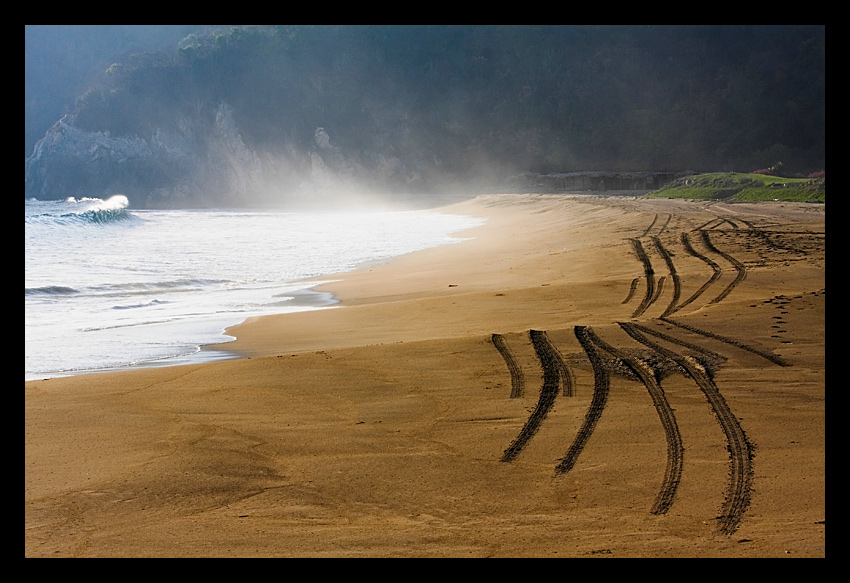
106	211
72	211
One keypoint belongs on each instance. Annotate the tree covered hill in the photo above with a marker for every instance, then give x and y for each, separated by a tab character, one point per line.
269	114
60	62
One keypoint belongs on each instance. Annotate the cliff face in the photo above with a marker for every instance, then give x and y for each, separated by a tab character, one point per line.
71	162
200	162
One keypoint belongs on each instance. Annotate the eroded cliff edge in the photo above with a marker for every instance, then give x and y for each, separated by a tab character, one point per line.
203	161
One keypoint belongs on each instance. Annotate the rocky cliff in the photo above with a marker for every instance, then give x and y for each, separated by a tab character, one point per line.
202	162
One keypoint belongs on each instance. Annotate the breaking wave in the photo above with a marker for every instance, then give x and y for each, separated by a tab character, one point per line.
86	211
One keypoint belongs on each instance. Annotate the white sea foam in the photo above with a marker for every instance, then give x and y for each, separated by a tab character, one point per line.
107	286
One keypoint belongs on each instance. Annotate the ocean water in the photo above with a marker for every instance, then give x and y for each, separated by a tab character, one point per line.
110	287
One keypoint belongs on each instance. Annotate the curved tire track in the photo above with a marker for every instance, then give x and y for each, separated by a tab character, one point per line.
689	345
741	451
715	221
675	449
648	273
517	378
717	272
677	284
632	289
601	385
655	220
566	375
659	287
742	271
652	224
552	364
732	342
667	222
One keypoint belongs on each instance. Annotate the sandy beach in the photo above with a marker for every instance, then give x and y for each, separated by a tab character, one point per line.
583	377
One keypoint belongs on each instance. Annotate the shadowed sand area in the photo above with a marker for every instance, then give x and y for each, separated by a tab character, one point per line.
672	403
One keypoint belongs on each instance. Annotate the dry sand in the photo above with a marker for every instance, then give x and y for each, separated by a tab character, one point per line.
379	428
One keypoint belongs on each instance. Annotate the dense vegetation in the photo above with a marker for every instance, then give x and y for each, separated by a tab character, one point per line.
60	62
537	98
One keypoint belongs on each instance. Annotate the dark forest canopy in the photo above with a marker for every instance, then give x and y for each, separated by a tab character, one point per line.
471	99
60	62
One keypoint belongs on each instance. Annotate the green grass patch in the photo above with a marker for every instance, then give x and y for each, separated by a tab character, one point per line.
735	186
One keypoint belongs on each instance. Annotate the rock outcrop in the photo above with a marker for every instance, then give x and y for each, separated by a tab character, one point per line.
198	162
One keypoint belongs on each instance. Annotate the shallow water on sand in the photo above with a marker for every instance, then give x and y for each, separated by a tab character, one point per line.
109	287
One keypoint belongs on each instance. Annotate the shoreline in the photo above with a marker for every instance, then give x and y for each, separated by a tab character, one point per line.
380	429
303	299
175	334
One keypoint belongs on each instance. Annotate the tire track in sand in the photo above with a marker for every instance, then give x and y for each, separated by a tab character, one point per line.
730	341
655	220
517	378
601	386
554	370
739	267
675	450
654	287
632	289
741	451
677	283
716	273
648	273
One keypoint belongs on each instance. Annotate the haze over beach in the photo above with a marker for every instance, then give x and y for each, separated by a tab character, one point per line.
577	303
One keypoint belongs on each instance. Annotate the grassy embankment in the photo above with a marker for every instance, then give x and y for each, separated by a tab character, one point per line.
734	186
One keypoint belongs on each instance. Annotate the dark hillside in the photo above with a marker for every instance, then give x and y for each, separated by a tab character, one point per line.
61	61
260	113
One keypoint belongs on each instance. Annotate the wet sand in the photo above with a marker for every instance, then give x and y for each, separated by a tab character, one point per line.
584	377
